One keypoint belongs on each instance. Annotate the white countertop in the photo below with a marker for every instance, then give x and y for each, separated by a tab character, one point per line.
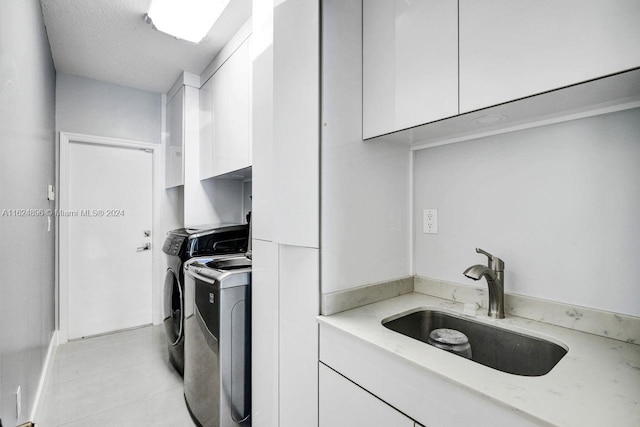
597	383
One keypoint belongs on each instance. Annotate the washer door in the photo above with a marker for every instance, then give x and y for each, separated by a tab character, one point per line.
173	308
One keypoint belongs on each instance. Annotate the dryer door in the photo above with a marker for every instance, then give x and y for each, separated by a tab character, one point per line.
173	308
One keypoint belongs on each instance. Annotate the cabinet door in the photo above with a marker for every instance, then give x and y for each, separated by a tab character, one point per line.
299	281
206	131
296	124
174	159
345	404
410	63
230	113
264	337
512	49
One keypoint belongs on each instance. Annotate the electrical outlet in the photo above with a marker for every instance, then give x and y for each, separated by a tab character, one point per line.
430	221
18	402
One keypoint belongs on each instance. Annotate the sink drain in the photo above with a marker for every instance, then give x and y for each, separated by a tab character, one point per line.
451	340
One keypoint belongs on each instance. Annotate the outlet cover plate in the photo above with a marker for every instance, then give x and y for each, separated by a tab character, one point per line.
430	221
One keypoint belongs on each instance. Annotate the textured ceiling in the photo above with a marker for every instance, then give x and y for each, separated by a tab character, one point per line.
108	40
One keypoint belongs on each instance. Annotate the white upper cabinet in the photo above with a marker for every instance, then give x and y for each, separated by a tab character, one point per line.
225	104
513	49
174	156
410	63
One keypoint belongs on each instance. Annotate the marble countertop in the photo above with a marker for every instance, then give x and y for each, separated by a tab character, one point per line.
596	383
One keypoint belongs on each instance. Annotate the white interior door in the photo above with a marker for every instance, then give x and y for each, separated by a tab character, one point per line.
109	220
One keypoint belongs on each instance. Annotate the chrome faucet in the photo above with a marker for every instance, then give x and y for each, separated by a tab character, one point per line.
494	274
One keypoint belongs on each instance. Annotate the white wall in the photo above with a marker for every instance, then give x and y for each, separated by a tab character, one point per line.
365	185
559	204
27	162
104	109
213	201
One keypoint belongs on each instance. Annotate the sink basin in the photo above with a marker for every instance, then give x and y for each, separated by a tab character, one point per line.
495	347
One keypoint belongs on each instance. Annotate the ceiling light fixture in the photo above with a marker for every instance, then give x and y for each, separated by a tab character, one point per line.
188	20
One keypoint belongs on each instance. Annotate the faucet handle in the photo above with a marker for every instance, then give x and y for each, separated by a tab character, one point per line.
495	263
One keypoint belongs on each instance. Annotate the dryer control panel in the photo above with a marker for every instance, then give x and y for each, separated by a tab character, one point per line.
173	244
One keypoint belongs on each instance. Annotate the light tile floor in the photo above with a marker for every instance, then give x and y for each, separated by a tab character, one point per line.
120	380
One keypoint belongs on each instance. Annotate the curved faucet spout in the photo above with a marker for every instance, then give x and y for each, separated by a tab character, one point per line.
476	272
494	273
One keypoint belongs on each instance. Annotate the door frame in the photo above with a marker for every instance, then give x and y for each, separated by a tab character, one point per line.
62	235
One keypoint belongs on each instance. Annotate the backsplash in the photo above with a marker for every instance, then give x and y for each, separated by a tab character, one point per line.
611	325
335	302
557	203
603	323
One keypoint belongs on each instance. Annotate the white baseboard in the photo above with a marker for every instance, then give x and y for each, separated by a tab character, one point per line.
47	368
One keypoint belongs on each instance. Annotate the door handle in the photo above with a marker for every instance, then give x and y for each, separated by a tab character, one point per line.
146	247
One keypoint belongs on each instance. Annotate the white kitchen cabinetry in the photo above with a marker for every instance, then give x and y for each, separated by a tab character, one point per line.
265	334
344	404
174	156
286	210
299	281
427	63
225	105
296	127
410	63
423	395
510	50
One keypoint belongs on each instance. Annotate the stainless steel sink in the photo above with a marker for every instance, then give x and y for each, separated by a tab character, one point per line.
495	347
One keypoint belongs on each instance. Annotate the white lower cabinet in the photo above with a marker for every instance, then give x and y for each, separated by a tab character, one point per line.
345	404
264	337
422	394
298	276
